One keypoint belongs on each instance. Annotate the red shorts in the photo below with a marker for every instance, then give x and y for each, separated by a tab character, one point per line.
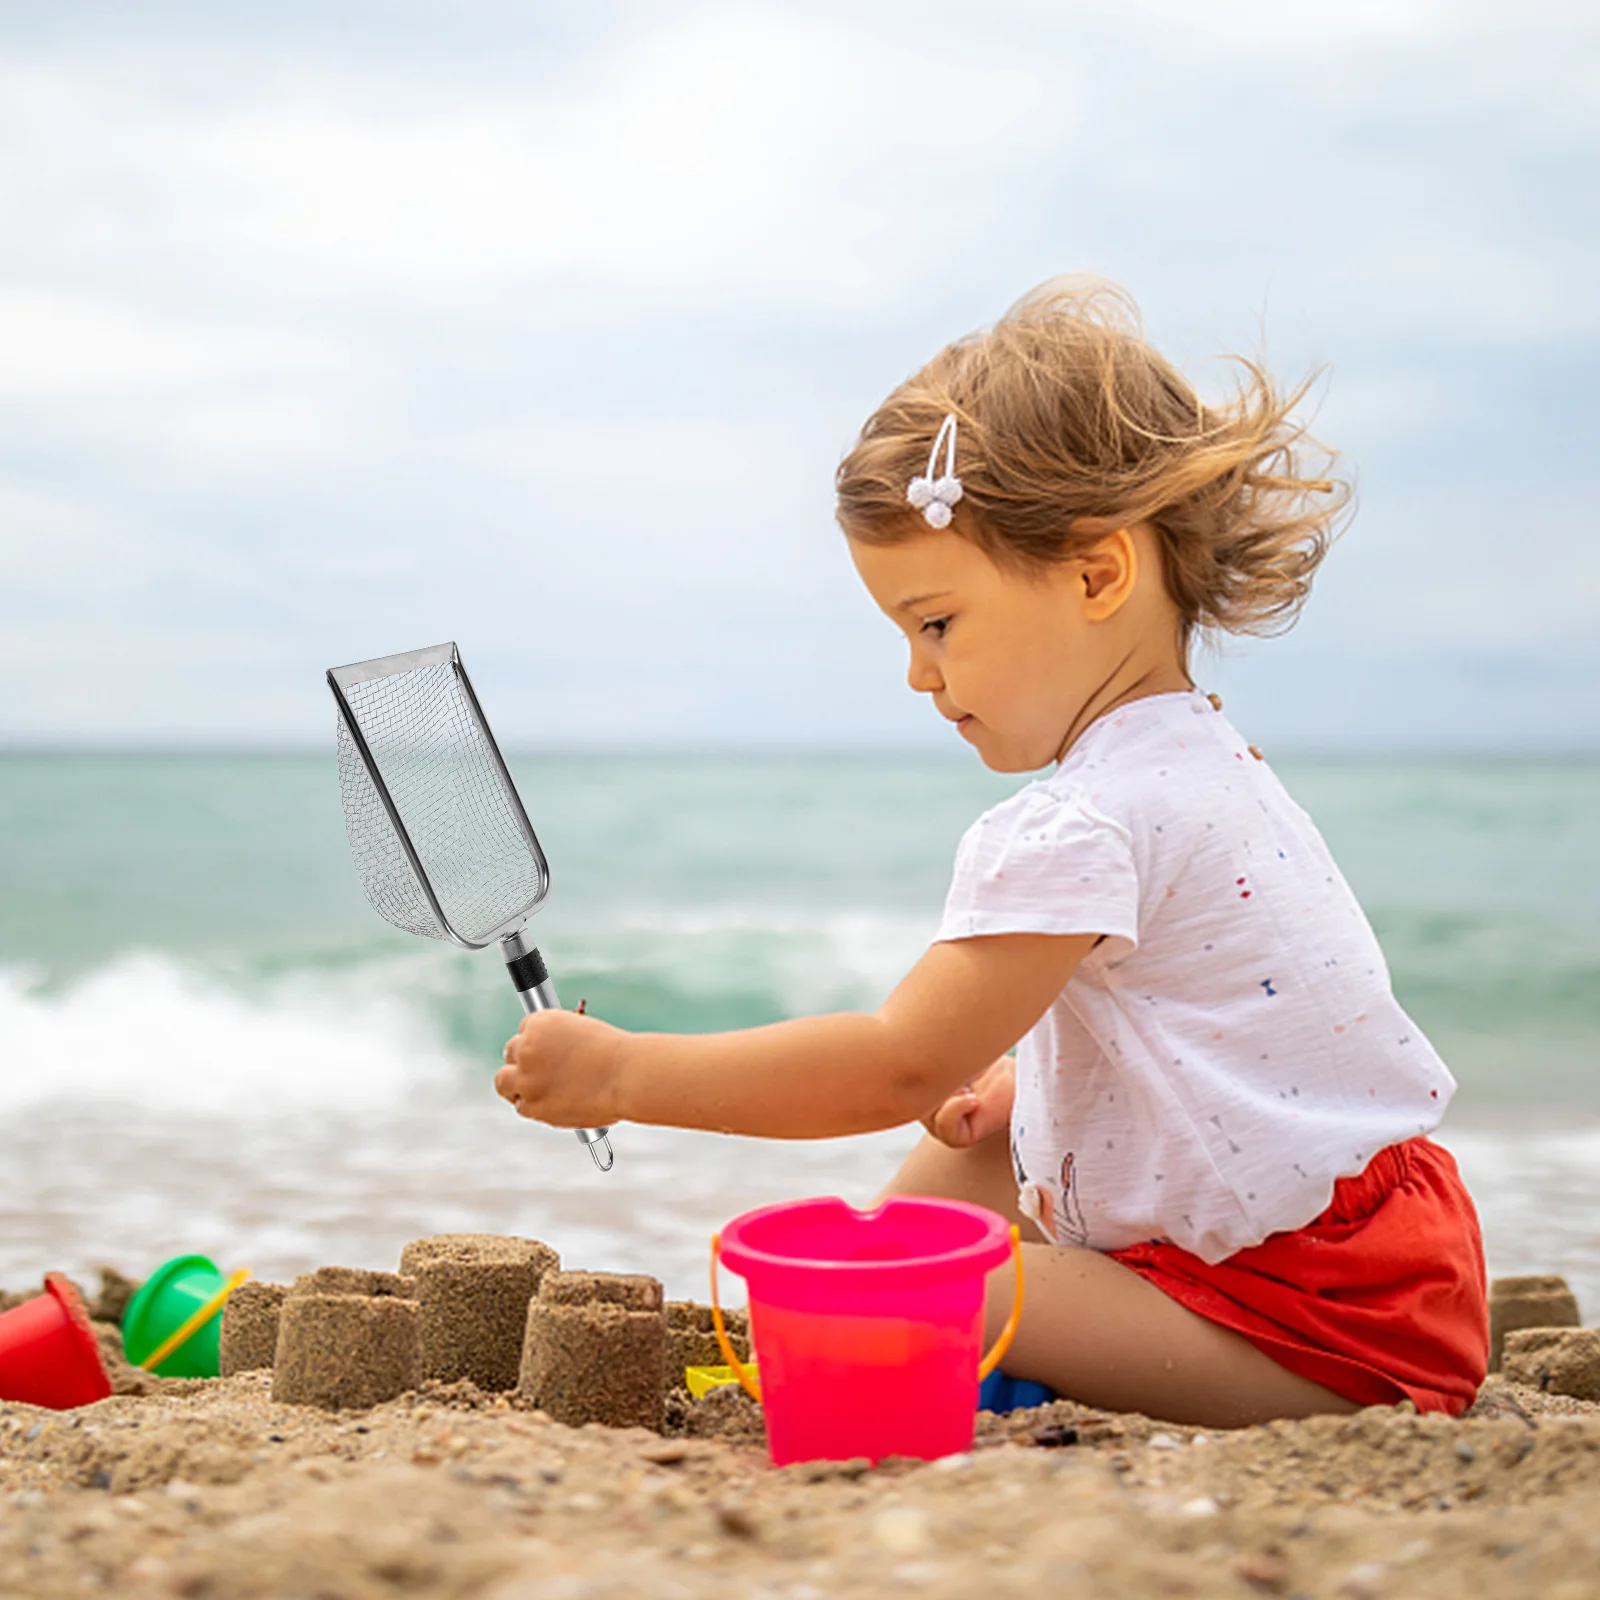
1381	1298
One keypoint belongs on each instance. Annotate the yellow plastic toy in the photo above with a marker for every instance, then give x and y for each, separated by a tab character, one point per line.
702	1380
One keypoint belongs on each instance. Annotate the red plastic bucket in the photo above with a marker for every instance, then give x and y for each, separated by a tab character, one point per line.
868	1326
48	1353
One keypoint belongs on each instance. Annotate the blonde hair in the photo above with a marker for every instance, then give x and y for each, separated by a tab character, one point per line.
1071	425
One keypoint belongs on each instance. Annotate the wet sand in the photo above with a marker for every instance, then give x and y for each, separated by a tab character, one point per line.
210	1489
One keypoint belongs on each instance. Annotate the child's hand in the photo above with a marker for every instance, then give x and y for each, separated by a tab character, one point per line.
978	1108
561	1068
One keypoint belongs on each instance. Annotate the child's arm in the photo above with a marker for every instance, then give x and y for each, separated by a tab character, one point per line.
962	1004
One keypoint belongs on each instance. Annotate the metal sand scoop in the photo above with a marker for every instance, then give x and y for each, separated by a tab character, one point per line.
440	838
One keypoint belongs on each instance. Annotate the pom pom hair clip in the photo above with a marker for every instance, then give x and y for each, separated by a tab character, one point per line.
935	497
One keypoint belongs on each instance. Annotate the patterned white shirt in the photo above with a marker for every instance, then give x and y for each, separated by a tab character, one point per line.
1232	1045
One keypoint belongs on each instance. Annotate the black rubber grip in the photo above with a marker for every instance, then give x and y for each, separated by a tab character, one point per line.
527	972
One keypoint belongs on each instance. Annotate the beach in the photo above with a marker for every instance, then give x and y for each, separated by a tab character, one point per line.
243	1061
654	363
209	1489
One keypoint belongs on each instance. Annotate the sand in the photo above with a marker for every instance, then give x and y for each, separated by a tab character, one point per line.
216	1490
213	1490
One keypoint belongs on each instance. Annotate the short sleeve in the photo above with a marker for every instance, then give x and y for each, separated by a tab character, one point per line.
1043	862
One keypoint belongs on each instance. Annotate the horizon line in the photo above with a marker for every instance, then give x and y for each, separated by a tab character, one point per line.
756	750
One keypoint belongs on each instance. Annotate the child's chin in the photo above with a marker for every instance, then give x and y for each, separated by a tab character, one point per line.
1009	761
1000	755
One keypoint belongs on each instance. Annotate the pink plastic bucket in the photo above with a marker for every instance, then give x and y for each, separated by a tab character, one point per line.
868	1326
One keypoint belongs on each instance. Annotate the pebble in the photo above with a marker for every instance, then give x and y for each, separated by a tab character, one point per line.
735	1518
955	1463
1364	1581
901	1530
1201	1506
667	1454
1268	1573
1163	1441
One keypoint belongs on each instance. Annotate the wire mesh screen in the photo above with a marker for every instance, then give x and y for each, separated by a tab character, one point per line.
463	818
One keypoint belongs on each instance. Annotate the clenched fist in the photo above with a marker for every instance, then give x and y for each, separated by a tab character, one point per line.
976	1109
563	1068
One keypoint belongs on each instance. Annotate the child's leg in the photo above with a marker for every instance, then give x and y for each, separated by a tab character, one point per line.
1097	1332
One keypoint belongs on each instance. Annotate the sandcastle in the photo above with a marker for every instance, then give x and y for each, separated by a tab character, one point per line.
583	1346
1557	1360
692	1339
347	1339
474	1290
596	1350
250	1327
1534	1302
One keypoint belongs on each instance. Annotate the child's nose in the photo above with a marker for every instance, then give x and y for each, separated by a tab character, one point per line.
923	676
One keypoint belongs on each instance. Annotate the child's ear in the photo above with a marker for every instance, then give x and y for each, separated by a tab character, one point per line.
1110	569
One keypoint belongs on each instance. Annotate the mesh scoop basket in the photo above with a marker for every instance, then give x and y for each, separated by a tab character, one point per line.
440	838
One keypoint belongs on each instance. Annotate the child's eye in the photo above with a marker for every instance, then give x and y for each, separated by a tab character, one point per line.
937	626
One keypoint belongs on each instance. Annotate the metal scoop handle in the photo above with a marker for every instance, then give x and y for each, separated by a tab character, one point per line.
537	992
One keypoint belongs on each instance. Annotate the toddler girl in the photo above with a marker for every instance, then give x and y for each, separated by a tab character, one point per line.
1216	1121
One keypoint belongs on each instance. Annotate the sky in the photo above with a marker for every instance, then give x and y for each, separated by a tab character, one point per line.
328	331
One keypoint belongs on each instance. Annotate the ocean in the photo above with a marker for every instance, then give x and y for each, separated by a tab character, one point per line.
209	1042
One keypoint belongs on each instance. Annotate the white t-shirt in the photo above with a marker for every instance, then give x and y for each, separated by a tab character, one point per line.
1231	1046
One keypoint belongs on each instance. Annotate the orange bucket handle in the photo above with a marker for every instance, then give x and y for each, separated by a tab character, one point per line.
752	1385
1009	1332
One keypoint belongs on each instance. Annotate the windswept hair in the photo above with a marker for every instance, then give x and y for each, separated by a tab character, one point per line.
1070	426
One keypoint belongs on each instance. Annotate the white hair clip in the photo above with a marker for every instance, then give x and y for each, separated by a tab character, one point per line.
935	496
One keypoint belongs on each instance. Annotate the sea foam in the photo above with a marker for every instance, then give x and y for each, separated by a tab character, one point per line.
150	1031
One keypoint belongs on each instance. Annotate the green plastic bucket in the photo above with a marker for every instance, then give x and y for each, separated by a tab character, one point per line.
172	1294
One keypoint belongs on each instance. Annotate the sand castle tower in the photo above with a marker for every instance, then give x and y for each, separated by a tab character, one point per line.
250	1327
1533	1302
347	1339
692	1339
474	1290
596	1348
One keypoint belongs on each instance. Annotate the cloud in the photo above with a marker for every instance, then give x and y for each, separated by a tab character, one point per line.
733	151
325	336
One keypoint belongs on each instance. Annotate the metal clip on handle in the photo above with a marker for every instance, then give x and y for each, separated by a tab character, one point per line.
537	992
